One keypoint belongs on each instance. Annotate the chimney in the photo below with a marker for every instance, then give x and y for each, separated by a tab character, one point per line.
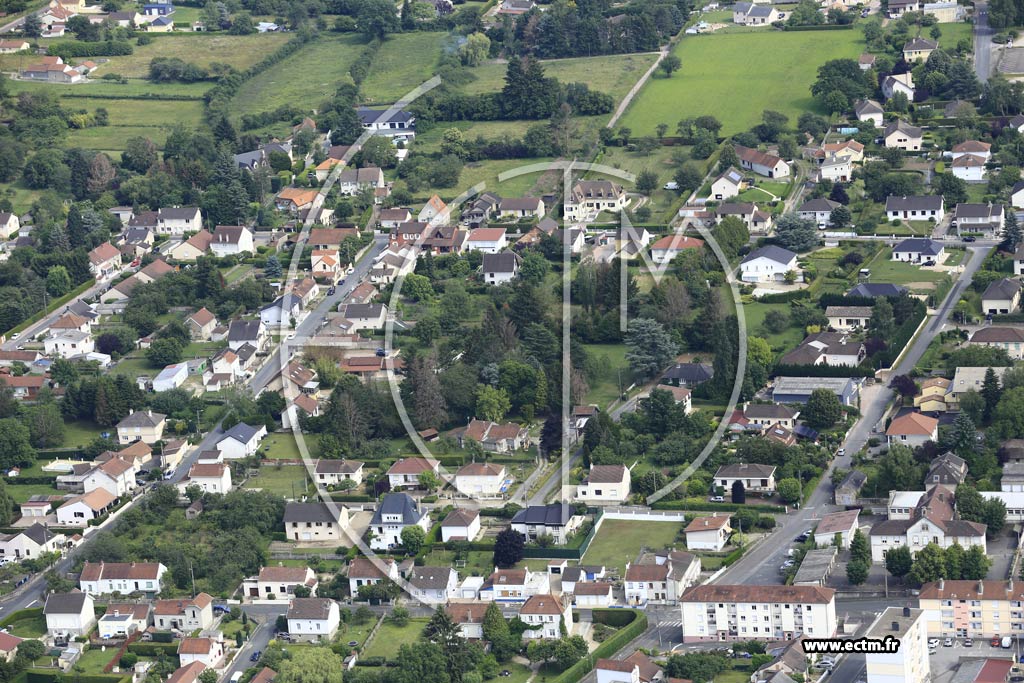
896	626
149	413
942	584
906	611
981	587
1009	585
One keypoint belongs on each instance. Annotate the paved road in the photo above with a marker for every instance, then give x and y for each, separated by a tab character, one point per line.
761	564
982	42
32	330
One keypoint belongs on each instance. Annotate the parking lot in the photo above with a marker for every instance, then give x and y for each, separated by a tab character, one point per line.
946	659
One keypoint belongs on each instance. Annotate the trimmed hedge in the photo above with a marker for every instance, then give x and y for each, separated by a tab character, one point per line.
619	640
143	96
713	507
78	48
826	300
732	557
151	649
821	27
342	497
51	676
29	613
784	297
617	618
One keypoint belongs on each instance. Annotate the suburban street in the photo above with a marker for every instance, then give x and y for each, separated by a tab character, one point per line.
761	563
32	330
982	42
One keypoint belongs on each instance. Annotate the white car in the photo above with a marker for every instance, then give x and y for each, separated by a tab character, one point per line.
948	642
933	642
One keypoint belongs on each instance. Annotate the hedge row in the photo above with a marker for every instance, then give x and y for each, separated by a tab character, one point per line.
617	618
784	297
51	676
79	48
821	27
342	497
713	507
732	557
619	640
30	613
151	649
143	96
218	96
826	300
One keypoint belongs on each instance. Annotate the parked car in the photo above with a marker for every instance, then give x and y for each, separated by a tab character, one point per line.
255	656
994	642
948	642
717	499
970	238
968	642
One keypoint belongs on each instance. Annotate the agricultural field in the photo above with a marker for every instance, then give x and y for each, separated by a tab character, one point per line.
619	541
395	71
304	78
718	68
202	49
151	119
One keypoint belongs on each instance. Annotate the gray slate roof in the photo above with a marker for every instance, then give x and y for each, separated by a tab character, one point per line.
771	252
64	603
308	512
555	514
1002	289
397	504
240	432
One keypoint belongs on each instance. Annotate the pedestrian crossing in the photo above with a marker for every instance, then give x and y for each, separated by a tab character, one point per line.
662	624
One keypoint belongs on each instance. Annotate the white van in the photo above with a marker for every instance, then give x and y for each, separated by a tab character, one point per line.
235	677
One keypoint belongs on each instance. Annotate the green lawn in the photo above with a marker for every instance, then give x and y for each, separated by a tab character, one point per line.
134	87
487	172
287	480
29	627
93	660
619	541
390	637
22	492
612	74
404	61
611	361
201	49
281	445
954	33
305	78
151	119
755	313
478	562
81	433
734	77
135	366
353	632
884	269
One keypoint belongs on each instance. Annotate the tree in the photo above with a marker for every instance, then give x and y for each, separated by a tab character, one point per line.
272	268
497	633
823	409
31	650
646	182
840	218
492	403
929	565
739	494
15	444
859	548
1012	236
952	189
789	490
882	324
413	538
972	405
990	392
976	564
475	50
45	424
857	572
688	178
898	561
649	347
442	631
32	26
798	234
208	676
58	281
164	352
670	64
377	18
898	469
696	666
508	547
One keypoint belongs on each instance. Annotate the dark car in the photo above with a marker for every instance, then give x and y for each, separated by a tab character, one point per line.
255	656
381	353
801	538
970	238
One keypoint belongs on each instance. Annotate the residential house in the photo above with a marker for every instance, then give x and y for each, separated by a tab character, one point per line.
593	594
869	110
918	49
968	379
295	199
1010	339
844	523
919	249
395	512
392	218
9	47
818	210
171	377
432	585
555	520
901	135
874	290
435	211
122	620
978	218
319	522
590	197
947	470
636	668
688	374
899	83
68	615
481	479
521	207
912	429
848	490
605	484
201	324
80	510
765	415
104	261
932	396
192	248
550	613
659	578
762	163
251	332
500	268
29	543
751	14
141	425
727	185
178	220
207	651
115	476
335	472
395	124
365	572
708	533
407	471
768	264
104	578
469	616
710	612
487	240
352	181
273	583
826	348
969	167
231	240
313	619
848	318
214	477
972	148
184	614
365	316
1001	297
752	476
494	437
326	265
460	525
667	248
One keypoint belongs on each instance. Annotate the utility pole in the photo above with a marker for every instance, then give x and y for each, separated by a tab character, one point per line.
193	575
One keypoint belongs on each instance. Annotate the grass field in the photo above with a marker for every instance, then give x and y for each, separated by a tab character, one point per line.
22	492
29	627
619	541
94	659
734	77
755	313
403	62
884	269
487	172
201	49
305	78
134	87
81	433
478	562
151	119
287	480
390	637
613	74
611	359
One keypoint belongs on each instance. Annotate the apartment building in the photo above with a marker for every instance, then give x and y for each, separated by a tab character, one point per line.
745	612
